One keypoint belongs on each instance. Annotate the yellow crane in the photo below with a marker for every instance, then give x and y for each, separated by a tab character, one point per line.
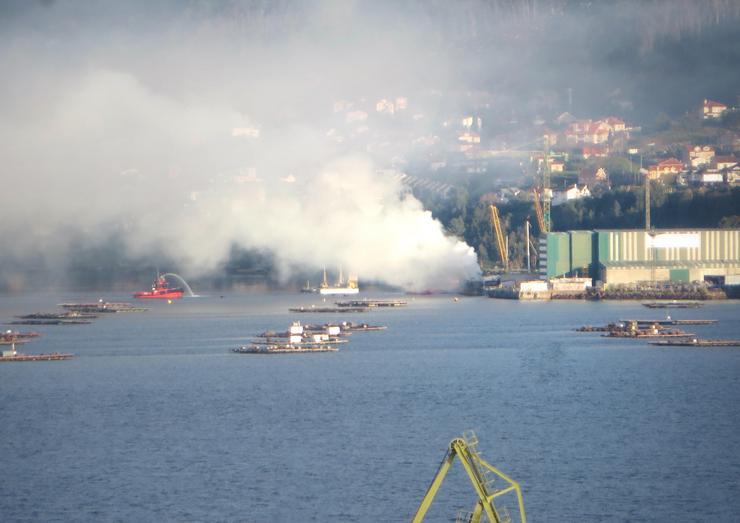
546	191
500	240
538	210
482	475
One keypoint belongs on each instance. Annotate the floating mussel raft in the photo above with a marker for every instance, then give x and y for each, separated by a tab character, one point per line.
303	339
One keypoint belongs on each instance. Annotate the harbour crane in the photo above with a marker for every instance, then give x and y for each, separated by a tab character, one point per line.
546	191
538	210
482	475
500	240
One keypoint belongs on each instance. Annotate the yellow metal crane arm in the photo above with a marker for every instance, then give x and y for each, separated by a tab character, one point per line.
500	242
478	471
538	211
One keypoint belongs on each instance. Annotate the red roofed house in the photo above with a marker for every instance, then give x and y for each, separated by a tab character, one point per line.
597	133
733	175
593	176
596	151
713	109
669	166
724	162
700	155
615	124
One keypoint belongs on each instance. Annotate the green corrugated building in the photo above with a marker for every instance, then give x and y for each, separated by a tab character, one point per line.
626	256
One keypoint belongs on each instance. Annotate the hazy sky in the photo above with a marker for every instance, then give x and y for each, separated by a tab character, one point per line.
118	118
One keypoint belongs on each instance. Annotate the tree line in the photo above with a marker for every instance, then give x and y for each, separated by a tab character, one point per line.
468	216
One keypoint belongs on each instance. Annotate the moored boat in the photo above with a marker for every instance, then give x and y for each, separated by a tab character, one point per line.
340	288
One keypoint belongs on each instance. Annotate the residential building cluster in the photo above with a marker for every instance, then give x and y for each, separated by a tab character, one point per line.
425	138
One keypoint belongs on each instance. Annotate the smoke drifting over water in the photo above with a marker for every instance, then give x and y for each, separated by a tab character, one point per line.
187	138
183	129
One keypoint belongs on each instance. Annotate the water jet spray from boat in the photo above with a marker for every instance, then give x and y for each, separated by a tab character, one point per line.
184	285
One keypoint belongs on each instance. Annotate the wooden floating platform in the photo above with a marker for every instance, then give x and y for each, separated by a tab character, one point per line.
17	335
371	303
102	307
673	305
279	337
50	322
71	315
283	349
11	341
348	327
36	357
647	334
671	321
328	309
697	343
592	328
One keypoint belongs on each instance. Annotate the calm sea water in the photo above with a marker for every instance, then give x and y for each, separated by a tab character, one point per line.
155	420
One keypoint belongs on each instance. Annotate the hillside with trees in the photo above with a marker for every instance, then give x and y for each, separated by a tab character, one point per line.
469	217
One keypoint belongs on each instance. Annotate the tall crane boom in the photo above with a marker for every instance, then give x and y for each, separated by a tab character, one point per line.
500	241
482	475
538	211
546	191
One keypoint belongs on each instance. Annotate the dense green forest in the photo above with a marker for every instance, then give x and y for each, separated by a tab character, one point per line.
468	217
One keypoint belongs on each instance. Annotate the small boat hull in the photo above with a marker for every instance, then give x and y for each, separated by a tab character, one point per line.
160	291
152	295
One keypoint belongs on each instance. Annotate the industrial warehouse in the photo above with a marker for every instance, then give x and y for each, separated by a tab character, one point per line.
638	255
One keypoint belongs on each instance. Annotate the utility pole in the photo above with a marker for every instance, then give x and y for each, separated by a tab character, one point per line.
648	235
546	192
526	228
506	241
647	202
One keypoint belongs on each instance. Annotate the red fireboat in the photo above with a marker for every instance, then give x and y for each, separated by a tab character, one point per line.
160	290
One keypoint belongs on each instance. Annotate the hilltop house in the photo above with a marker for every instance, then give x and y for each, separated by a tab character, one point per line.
571	193
724	162
700	155
615	124
597	133
588	131
594	151
733	176
712	109
669	166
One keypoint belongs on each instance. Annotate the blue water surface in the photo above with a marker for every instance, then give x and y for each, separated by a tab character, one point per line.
156	420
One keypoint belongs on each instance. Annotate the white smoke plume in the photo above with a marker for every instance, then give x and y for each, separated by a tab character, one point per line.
187	127
198	136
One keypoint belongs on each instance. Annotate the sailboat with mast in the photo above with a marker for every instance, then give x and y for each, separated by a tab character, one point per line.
339	288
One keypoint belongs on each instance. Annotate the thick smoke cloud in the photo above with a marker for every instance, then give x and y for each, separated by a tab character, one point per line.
184	128
191	134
